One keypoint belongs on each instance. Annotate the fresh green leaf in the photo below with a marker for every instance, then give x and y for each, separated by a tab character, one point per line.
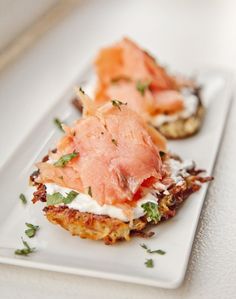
58	123
149	263
31	231
54	199
117	103
23	198
158	251
70	197
142	86
26	250
152	211
90	191
65	159
57	198
144	246
81	90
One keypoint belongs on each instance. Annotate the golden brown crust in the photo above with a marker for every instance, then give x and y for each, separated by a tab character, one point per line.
110	230
183	128
91	226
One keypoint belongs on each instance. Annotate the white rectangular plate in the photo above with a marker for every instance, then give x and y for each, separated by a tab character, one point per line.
57	250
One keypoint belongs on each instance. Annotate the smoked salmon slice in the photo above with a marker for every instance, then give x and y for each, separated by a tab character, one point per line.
120	68
115	153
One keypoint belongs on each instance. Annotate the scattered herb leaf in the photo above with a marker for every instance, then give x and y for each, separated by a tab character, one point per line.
144	246
117	103
54	199
152	211
31	231
158	251
65	159
142	86
23	198
58	123
149	263
70	197
57	198
81	90
114	141
26	250
90	191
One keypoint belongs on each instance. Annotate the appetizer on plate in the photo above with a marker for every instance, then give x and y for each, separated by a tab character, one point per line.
171	104
111	175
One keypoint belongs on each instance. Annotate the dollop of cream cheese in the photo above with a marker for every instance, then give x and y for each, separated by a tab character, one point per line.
179	169
85	203
190	108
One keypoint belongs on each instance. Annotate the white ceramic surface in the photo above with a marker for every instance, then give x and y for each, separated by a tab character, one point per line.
58	251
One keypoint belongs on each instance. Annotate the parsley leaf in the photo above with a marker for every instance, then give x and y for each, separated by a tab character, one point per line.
57	198
158	251
81	90
142	86
23	198
26	250
31	231
58	123
117	103
65	159
144	246
149	263
152	212
54	199
70	197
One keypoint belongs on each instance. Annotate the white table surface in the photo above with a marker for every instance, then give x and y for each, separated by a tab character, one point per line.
189	35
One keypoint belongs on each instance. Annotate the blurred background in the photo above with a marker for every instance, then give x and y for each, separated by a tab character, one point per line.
44	46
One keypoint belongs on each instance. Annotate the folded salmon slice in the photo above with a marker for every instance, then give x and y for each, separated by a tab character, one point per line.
127	60
117	153
121	66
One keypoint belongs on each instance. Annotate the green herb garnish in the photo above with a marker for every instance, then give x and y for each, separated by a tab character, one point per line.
149	263
90	191
142	86
57	198
114	141
117	103
70	197
58	123
81	90
23	198
65	159
31	231
152	211
54	199
158	251
144	246
26	250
